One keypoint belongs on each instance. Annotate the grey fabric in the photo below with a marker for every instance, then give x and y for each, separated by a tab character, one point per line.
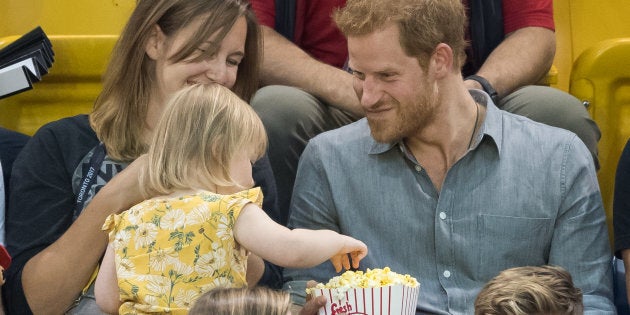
556	108
86	304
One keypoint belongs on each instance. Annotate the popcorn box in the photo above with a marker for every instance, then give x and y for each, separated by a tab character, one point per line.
389	300
374	292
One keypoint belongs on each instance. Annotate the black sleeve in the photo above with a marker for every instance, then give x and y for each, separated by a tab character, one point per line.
621	202
263	177
42	199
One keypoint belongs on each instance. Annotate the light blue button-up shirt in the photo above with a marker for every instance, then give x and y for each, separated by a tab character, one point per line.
525	194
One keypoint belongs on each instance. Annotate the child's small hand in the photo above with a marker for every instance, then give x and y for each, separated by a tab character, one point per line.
357	250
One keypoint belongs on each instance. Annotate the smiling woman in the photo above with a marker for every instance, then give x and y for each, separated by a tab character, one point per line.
165	45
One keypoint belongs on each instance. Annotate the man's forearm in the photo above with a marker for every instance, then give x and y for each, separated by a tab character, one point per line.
286	64
523	58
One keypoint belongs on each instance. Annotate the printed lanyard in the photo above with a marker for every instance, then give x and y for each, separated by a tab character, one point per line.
88	178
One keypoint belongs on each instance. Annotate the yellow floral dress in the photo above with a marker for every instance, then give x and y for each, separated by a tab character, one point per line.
169	251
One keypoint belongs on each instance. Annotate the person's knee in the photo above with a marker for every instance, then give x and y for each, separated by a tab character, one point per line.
555	108
278	103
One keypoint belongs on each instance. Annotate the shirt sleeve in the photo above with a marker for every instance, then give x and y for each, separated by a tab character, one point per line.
265	12
523	13
580	242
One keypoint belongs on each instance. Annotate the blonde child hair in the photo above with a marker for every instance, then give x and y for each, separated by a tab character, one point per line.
242	301
221	123
542	290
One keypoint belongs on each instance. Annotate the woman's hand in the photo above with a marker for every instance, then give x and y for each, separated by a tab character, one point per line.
123	190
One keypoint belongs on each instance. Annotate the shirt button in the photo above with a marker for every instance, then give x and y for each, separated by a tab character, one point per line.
418	168
447	274
442	215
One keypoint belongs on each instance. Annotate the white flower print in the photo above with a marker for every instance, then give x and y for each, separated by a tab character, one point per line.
238	263
221	282
185	298
199	214
145	234
224	229
125	268
231	203
121	239
219	251
161	258
134	215
181	268
206	265
150	299
173	219
158	285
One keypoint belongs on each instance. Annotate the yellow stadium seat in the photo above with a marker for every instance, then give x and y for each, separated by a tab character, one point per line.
601	77
64	17
581	24
70	87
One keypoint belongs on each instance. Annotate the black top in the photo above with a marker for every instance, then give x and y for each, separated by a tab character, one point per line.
621	202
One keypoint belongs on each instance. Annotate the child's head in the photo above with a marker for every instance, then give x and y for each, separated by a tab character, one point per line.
203	130
543	290
239	301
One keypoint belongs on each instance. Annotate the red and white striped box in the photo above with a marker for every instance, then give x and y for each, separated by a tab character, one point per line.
395	299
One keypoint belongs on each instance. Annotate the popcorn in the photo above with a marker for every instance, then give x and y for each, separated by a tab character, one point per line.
376	291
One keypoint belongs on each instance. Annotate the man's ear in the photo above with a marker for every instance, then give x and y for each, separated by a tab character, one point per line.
155	43
442	60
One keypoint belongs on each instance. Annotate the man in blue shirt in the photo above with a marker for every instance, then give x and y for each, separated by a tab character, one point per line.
436	180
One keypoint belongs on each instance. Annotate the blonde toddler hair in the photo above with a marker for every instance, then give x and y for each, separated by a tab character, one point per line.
242	301
201	130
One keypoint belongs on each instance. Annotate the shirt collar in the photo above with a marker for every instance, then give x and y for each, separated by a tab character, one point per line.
491	126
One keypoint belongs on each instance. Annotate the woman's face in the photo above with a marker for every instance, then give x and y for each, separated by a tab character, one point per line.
221	68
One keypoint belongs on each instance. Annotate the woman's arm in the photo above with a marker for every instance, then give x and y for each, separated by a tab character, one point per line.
68	263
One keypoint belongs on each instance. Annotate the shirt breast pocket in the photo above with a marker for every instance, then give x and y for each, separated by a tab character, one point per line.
506	242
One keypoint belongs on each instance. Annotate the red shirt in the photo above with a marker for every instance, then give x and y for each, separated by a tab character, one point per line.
316	33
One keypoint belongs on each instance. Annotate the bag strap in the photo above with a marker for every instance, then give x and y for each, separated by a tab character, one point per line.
98	156
285	18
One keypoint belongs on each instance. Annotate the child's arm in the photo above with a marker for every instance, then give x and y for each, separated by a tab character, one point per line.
106	286
299	248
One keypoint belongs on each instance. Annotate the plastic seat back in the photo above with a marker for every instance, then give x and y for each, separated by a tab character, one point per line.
601	78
